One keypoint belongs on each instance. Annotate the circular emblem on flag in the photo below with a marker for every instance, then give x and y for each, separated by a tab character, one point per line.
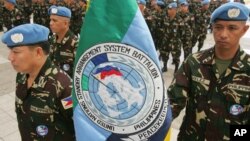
236	109
121	89
42	130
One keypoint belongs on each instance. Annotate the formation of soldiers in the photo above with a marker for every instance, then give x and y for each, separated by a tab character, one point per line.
177	25
23	9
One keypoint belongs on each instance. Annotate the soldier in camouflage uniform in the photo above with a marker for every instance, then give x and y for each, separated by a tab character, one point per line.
201	25
76	17
43	91
150	17
172	42
63	42
14	16
213	5
214	84
40	12
158	28
26	9
187	28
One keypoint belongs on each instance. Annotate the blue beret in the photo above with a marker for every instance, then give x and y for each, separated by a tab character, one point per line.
172	5
183	2
232	11
204	2
12	1
26	34
160	3
141	2
60	11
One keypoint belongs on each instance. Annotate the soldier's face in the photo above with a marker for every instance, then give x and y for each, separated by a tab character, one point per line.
58	24
7	5
227	34
172	11
184	8
22	59
141	7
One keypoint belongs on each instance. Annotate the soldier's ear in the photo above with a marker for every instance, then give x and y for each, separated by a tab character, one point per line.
39	52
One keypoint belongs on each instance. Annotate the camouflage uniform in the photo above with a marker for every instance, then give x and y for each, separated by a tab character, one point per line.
212	6
187	32
40	12
159	30
209	96
76	18
14	18
172	41
26	9
41	114
150	16
201	25
63	54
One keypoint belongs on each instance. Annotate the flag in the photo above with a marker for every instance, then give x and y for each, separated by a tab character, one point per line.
118	89
67	102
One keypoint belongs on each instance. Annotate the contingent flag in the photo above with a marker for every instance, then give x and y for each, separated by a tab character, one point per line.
118	92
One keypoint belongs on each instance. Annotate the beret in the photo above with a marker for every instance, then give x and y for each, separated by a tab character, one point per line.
204	2
11	1
183	2
160	3
26	34
232	11
141	2
172	5
60	11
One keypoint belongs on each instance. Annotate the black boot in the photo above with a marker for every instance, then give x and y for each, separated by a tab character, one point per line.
165	68
176	67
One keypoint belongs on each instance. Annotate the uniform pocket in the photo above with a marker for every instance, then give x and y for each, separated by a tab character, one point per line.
237	100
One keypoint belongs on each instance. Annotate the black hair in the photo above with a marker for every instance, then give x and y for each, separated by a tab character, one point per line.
44	45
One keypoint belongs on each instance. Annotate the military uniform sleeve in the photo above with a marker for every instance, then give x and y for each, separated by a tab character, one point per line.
64	99
179	88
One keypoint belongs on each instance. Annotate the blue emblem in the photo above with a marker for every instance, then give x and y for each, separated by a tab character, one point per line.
42	130
236	109
120	89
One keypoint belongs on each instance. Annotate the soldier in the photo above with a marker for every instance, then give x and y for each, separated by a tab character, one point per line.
76	17
187	28
150	17
201	25
213	5
43	91
158	28
63	41
15	15
142	5
214	84
172	41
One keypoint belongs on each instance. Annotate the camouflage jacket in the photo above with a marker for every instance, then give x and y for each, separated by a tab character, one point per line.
40	13
172	28
63	54
188	25
213	102
15	18
42	110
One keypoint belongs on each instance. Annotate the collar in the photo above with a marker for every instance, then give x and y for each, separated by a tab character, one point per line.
239	62
22	78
